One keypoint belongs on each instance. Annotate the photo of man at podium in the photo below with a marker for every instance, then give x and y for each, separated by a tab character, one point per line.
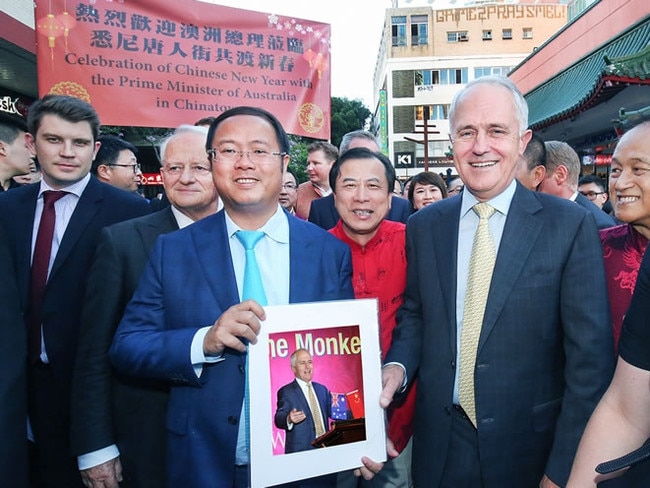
304	407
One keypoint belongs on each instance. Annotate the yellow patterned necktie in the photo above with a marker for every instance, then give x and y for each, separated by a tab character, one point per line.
315	412
481	265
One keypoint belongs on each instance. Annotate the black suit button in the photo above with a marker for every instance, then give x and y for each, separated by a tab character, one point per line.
232	420
448	410
242	369
453	364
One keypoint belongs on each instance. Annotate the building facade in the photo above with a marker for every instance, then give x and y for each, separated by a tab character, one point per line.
426	55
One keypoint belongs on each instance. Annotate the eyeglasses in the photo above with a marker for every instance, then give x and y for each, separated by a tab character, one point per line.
136	167
458	189
289	186
196	170
591	195
256	156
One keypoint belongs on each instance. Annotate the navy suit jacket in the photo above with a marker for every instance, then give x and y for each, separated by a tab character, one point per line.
13	386
107	408
290	396
603	220
545	353
187	284
323	213
100	205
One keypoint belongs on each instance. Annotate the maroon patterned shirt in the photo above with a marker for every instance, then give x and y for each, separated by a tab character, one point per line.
623	249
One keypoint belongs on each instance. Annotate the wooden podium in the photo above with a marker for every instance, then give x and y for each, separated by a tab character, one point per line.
342	432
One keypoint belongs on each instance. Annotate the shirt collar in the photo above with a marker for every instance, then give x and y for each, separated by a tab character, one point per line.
181	219
277	227
76	188
501	202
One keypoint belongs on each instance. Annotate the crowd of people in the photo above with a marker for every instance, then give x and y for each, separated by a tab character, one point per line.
504	297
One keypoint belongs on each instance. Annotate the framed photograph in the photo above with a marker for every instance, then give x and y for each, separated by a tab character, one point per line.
338	358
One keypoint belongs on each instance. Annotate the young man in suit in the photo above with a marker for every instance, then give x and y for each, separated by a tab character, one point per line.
562	173
118	423
294	411
511	354
53	229
186	322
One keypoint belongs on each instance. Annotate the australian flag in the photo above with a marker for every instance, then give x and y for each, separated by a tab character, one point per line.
340	407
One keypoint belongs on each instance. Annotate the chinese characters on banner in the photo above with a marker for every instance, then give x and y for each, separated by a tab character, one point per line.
165	63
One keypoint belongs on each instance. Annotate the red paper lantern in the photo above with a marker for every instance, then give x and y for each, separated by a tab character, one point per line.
51	28
68	22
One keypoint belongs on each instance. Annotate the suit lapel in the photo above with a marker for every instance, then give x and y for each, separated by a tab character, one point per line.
302	282
212	249
519	236
86	209
445	237
24	213
161	222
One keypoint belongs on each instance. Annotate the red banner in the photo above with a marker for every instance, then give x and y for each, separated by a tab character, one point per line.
169	62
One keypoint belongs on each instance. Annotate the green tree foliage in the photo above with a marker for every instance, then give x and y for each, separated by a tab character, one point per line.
298	153
347	115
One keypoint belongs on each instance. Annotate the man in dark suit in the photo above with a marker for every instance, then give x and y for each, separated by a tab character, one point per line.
509	368
13	387
113	415
323	212
62	134
294	412
186	322
562	173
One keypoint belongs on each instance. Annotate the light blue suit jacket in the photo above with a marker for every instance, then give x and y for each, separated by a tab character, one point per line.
188	283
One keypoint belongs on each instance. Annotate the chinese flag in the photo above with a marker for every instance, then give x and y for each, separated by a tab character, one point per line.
355	404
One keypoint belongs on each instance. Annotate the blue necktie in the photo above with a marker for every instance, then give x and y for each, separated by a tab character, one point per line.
252	288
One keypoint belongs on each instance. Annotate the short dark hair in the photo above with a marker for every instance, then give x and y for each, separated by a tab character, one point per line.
292	173
330	150
9	132
535	152
427	178
362	153
110	150
585	180
280	134
206	121
71	109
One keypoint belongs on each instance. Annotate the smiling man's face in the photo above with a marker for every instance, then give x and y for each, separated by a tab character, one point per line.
486	140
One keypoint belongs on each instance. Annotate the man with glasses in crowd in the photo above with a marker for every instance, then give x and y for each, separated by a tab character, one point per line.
288	194
190	321
593	187
116	163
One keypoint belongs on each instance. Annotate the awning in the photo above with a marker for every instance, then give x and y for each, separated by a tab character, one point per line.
594	79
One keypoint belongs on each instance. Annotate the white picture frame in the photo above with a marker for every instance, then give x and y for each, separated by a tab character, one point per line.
303	321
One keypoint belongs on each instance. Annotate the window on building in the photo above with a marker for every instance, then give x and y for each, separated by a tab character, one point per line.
491	70
527	33
450	76
487	35
398	30
436	112
456	36
419	30
507	33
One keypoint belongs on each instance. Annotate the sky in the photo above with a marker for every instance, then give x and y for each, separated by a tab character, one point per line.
356	27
